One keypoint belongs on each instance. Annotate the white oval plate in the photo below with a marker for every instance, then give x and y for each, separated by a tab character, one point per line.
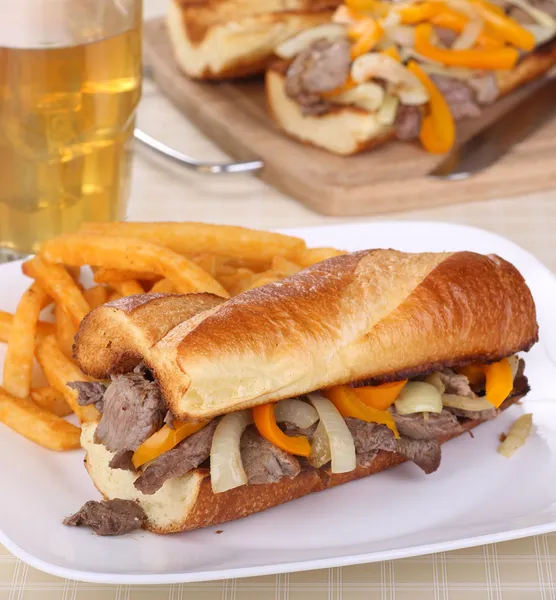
476	497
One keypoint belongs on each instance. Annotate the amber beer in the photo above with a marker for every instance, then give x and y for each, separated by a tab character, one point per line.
70	81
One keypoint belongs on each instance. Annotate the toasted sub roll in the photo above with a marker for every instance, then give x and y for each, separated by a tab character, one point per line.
375	314
348	130
223	39
188	502
125	329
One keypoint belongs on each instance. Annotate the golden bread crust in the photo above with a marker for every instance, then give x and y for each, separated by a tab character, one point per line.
367	315
114	337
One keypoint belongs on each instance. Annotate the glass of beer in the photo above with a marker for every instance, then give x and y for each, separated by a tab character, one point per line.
70	82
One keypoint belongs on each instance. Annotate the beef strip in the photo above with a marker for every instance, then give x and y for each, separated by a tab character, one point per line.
109	517
436	426
485	87
446	36
424	453
369	437
122	460
547	6
133	411
89	393
455	383
408	122
187	455
322	67
264	462
459	96
483	415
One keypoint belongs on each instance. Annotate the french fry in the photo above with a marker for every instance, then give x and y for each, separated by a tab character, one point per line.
18	364
6	320
96	296
48	398
65	331
104	275
164	286
237	281
59	371
284	266
259	279
127	288
58	284
316	255
259	247
114	296
120	252
37	424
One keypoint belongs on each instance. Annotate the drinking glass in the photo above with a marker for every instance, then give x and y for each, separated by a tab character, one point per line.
70	82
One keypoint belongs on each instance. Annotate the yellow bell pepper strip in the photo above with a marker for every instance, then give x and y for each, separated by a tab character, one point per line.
163	440
438	132
450	19
349	405
381	396
497	59
411	14
392	52
366	33
507	27
499	381
474	373
265	421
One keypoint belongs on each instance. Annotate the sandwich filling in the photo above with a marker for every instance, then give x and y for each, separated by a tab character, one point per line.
318	431
414	63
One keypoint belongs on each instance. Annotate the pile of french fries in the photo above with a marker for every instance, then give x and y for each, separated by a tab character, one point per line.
125	259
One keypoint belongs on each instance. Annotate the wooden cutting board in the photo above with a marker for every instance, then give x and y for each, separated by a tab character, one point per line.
387	179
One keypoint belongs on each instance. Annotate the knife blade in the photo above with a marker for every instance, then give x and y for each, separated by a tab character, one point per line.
496	139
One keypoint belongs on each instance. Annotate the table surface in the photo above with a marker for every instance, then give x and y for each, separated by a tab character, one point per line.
517	570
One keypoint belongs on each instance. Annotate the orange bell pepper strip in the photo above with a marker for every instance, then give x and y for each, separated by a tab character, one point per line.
450	19
375	6
392	52
412	14
349	405
381	396
265	421
474	373
497	59
366	33
507	27
499	381
438	132
163	440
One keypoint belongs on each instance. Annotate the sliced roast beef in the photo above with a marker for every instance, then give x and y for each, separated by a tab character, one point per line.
264	462
109	517
89	392
322	67
122	460
524	18
436	426
446	36
459	96
424	453
408	122
133	410
370	437
186	456
455	383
